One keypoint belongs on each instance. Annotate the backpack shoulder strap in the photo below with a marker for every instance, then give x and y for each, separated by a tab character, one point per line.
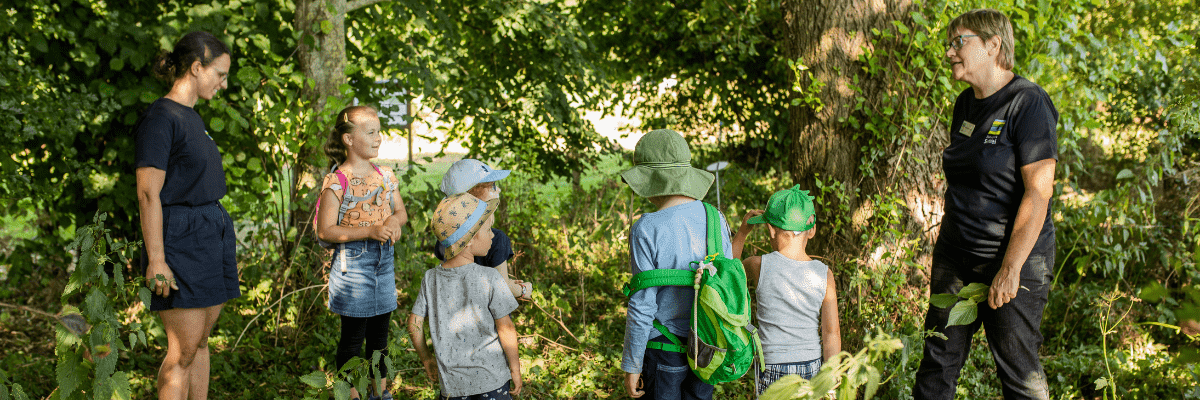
342	183
714	230
342	180
387	186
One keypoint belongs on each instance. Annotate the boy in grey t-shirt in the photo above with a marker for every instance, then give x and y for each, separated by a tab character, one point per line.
467	306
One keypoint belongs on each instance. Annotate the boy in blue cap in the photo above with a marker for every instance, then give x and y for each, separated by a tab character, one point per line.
796	295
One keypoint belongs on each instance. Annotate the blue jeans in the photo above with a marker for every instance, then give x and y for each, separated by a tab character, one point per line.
1013	331
667	376
774	372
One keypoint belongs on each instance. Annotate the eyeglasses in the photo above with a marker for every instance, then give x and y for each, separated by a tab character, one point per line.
957	42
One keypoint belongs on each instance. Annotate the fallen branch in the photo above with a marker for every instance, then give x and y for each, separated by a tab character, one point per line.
560	323
552	342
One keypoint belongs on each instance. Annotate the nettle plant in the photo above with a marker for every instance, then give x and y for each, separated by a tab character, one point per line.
91	336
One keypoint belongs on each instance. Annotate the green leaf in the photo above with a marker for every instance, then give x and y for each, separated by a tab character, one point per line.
1125	174
963	313
1153	292
784	388
972	290
70	373
116	63
316	379
326	27
341	390
121	389
1101	383
144	295
217	124
943	300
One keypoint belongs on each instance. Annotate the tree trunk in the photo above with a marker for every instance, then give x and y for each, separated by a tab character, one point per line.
322	55
828	37
323	24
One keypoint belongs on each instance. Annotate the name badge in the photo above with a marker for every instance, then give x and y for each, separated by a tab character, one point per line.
967	128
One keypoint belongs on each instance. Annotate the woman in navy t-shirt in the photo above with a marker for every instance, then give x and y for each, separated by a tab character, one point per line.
996	229
190	256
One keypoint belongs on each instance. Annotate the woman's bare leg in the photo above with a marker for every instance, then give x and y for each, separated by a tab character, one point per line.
184	371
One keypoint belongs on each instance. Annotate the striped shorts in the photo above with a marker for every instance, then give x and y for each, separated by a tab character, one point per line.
774	372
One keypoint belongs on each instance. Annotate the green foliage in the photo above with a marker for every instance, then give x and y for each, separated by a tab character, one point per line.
844	374
710	68
510	78
89	339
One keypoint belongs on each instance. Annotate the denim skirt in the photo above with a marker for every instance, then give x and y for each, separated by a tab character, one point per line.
200	247
362	279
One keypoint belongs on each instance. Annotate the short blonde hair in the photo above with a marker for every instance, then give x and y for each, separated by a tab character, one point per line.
988	23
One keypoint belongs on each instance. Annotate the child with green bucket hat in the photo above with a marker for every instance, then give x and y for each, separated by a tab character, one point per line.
796	295
671	237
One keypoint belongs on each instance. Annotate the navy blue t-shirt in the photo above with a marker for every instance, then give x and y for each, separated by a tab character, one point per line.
990	140
500	252
172	137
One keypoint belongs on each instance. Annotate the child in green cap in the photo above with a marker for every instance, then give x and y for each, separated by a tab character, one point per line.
796	295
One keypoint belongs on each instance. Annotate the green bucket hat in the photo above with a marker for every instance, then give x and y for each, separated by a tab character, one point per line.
663	166
788	209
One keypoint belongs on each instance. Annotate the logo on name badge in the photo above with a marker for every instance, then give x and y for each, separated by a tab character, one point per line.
966	128
994	131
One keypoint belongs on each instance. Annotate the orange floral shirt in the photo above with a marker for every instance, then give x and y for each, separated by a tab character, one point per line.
364	213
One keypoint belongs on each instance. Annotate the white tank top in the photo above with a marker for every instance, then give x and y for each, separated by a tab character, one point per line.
789	298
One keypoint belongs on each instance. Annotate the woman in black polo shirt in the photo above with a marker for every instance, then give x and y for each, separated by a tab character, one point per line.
996	228
190	254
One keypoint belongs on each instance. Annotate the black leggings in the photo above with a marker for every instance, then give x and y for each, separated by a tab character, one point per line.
373	329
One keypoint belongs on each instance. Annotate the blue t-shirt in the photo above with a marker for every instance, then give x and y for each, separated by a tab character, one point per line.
666	239
500	251
171	137
990	140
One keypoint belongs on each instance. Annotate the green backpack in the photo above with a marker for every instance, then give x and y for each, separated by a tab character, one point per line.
723	345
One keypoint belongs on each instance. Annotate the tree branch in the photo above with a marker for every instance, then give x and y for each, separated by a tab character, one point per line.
357	4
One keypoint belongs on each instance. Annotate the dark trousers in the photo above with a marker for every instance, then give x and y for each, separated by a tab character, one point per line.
374	330
1013	331
667	376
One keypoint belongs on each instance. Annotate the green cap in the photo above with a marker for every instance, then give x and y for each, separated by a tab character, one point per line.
788	209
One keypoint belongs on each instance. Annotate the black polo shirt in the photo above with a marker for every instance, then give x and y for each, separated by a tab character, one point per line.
172	137
990	140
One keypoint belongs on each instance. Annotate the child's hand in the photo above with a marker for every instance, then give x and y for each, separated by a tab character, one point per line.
381	232
431	370
749	214
526	290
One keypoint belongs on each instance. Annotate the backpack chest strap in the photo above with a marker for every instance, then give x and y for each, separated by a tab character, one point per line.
659	277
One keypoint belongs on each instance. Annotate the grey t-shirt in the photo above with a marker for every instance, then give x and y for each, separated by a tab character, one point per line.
790	294
462	305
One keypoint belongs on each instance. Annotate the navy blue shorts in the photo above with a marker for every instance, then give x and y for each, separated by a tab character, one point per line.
201	250
498	394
